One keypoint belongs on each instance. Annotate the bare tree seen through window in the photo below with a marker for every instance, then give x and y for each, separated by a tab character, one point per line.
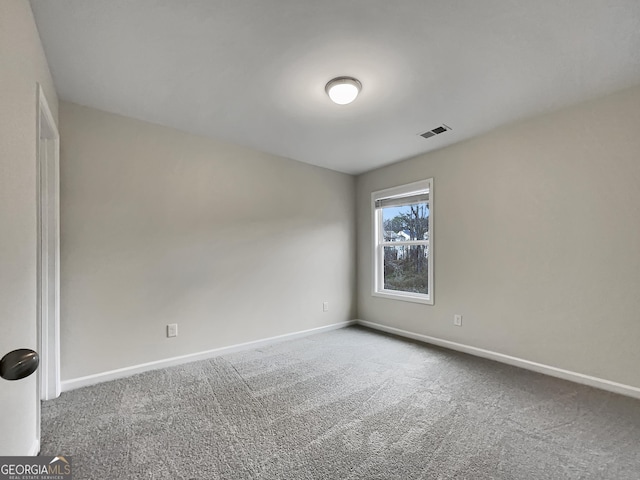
406	266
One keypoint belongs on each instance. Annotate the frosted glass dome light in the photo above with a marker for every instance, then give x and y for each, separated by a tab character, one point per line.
343	90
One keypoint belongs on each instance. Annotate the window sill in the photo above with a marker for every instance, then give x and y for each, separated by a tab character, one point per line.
404	297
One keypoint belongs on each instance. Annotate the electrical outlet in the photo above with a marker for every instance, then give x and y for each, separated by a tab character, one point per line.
457	320
325	306
172	330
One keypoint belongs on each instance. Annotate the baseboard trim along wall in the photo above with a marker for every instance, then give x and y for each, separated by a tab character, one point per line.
600	383
192	357
596	382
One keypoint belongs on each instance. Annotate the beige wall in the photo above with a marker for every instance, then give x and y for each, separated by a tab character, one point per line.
22	66
161	227
537	240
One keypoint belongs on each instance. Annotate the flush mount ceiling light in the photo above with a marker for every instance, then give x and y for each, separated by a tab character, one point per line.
343	90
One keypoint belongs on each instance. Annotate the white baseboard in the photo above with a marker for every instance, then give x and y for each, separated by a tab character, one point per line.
600	383
35	448
192	357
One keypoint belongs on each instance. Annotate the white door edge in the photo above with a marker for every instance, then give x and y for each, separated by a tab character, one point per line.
48	181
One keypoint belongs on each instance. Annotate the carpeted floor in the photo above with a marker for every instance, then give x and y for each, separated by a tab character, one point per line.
347	404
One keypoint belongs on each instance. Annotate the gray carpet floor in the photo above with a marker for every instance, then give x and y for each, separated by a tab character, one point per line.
347	404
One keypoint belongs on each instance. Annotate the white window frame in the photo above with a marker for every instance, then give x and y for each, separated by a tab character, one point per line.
378	289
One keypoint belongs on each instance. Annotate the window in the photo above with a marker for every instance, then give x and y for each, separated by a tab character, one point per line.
403	242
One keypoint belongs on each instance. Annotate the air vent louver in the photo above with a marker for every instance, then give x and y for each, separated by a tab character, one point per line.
436	131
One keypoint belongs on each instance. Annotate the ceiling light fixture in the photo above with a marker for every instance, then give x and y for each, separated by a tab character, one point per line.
343	90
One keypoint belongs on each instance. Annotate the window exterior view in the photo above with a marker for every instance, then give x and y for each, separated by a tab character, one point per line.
402	218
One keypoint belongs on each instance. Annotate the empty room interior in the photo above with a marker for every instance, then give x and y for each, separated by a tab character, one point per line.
321	240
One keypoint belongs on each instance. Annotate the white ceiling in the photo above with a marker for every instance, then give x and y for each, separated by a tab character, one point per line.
253	71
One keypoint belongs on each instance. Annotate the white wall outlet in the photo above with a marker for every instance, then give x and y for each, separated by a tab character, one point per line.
172	330
325	306
457	320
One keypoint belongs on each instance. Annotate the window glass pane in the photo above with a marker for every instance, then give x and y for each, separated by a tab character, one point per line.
406	268
407	222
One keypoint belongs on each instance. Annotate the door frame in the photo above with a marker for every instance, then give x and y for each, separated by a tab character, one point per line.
48	245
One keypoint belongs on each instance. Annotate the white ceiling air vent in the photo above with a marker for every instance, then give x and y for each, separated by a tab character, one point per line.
436	131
